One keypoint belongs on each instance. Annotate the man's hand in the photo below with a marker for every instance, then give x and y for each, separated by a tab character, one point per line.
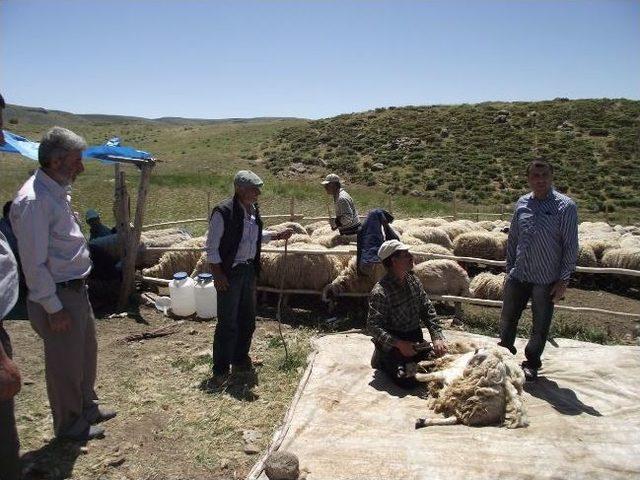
439	347
558	290
284	235
221	283
10	381
60	321
405	347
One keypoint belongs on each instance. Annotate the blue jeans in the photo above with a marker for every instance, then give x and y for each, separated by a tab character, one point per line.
516	296
236	319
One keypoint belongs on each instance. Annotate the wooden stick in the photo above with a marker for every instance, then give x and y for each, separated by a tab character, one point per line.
158	332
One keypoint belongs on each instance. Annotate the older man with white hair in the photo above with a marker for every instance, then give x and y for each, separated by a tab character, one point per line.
233	250
55	262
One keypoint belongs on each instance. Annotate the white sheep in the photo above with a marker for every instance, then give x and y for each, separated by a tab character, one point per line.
481	244
476	388
487	285
443	277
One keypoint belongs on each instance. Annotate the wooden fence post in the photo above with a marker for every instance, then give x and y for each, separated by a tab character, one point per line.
292	208
131	249
454	207
209	205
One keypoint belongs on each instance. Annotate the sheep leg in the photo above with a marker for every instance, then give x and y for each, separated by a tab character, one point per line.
427	377
427	364
430	422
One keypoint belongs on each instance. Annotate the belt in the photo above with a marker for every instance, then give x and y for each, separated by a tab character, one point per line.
244	262
76	283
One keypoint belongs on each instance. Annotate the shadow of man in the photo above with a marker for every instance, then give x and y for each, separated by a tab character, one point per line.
383	383
564	400
55	460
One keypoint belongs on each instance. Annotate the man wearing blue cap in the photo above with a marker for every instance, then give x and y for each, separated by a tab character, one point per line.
233	250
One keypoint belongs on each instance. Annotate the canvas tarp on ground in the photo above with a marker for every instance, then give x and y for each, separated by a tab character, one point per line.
584	412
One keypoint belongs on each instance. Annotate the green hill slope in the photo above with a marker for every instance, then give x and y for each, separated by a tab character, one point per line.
477	152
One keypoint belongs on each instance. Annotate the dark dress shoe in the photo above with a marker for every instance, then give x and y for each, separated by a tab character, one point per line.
90	433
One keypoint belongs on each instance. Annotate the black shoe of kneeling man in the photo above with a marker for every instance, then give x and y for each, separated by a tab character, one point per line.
530	374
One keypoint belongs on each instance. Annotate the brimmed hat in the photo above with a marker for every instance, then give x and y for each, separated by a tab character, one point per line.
91	213
246	178
390	247
331	178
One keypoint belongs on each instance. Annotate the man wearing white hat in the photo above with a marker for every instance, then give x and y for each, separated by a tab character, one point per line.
346	220
397	306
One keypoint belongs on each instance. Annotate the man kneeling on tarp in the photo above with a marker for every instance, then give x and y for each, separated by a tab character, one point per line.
397	305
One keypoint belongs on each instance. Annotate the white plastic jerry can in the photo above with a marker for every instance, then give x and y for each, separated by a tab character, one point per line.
183	301
206	296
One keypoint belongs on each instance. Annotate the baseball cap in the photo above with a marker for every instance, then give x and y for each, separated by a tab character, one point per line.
91	213
331	178
246	178
390	247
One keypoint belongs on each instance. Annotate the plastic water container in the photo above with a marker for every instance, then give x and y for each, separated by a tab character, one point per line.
206	296
183	301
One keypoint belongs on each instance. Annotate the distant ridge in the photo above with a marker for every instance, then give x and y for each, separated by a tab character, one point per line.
42	116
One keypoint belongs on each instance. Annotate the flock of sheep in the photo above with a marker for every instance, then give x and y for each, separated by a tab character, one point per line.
600	245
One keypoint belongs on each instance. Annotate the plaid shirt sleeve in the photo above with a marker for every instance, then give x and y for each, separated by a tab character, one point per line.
377	318
429	317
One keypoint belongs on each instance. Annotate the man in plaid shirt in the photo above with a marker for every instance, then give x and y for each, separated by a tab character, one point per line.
397	305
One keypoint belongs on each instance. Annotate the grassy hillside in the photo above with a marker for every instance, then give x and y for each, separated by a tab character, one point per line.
478	151
479	160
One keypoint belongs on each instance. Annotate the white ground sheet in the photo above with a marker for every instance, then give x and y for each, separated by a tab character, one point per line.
584	412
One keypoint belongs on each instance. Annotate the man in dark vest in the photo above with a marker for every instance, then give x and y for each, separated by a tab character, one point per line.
233	250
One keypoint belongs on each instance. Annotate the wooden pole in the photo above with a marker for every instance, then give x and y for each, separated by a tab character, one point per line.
131	251
501	212
292	209
455	207
208	205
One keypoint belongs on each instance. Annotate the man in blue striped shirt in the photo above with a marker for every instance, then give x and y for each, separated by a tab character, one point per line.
541	255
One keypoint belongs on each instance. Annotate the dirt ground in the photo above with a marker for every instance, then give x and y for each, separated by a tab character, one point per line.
169	427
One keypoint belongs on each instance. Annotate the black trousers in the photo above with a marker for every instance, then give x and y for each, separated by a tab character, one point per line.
236	319
9	443
394	364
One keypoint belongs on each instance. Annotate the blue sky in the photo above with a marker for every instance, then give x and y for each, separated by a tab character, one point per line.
218	59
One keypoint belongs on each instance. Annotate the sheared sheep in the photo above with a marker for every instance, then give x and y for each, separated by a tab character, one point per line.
420	251
172	262
311	272
586	256
481	244
622	258
296	227
430	235
349	281
488	286
334	239
477	388
295	238
319	229
443	277
410	240
166	237
459	227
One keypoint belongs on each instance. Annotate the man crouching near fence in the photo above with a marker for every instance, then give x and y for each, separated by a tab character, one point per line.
397	305
55	261
233	250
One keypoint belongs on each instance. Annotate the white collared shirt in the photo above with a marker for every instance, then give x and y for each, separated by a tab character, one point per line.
246	247
51	245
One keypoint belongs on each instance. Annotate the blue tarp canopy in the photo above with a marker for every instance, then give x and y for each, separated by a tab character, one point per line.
110	152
